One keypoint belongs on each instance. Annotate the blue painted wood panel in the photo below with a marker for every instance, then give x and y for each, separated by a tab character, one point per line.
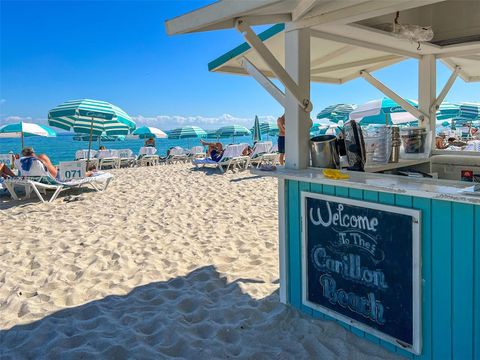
450	252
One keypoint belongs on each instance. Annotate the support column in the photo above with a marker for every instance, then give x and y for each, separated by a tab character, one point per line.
427	90
297	120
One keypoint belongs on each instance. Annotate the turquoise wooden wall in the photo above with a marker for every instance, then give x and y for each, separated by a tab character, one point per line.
450	269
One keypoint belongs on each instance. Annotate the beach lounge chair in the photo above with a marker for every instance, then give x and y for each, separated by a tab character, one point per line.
232	158
196	152
127	159
262	154
39	180
108	159
176	154
83	155
147	156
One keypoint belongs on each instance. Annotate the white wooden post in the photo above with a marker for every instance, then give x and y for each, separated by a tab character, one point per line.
427	91
297	119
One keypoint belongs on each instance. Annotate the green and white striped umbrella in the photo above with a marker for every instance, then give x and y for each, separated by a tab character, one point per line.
148	131
257	136
232	131
85	116
187	132
23	129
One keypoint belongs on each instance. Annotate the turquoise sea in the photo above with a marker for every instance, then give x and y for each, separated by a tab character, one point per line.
63	147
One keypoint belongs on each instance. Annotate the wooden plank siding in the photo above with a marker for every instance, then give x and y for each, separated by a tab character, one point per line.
450	252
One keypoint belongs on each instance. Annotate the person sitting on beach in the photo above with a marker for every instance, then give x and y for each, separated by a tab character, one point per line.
150	142
440	141
5	171
214	151
28	157
102	148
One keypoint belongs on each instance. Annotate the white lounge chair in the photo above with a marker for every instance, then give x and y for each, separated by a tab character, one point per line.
127	159
39	180
108	159
147	156
176	154
262	154
83	155
232	158
196	152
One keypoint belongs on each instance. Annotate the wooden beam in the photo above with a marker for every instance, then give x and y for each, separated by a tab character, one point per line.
354	64
254	41
217	12
361	11
460	51
363	43
446	88
303	7
264	81
334	54
394	96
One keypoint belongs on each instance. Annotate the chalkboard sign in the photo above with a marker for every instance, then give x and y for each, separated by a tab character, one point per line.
361	265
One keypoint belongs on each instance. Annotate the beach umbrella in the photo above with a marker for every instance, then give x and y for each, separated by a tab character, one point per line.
23	129
378	111
91	117
257	135
187	132
448	111
232	131
470	111
147	132
336	112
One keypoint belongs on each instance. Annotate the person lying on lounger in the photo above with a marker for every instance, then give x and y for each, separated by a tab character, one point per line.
28	156
215	150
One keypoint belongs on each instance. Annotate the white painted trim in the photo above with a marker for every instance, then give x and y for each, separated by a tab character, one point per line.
460	50
264	81
303	7
416	269
363	43
282	243
360	11
370	61
446	88
208	16
254	41
391	94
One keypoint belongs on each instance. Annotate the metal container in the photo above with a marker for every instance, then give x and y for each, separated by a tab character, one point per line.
324	151
413	140
396	143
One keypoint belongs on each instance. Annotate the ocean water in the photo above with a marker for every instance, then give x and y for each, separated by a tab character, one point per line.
63	147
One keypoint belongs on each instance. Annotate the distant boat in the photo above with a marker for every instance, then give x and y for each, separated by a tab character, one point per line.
102	138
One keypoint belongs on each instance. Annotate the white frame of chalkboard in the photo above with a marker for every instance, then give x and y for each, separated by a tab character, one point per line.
416	347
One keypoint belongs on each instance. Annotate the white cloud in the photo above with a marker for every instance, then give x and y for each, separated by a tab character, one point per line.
166	122
15	119
2	101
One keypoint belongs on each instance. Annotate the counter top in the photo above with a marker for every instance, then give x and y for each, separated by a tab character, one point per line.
456	191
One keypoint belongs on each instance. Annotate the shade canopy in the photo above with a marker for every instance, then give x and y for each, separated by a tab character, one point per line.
347	36
470	111
20	129
187	132
148	131
87	115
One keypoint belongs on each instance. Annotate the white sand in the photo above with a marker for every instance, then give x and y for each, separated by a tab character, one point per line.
158	266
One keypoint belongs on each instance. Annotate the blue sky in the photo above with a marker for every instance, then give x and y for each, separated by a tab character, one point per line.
119	51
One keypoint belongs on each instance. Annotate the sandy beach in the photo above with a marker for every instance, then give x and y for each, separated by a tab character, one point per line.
169	262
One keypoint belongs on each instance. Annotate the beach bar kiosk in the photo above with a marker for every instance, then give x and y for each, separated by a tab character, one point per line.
393	259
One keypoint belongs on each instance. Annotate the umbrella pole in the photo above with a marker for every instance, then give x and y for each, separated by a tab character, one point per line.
22	139
90	143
